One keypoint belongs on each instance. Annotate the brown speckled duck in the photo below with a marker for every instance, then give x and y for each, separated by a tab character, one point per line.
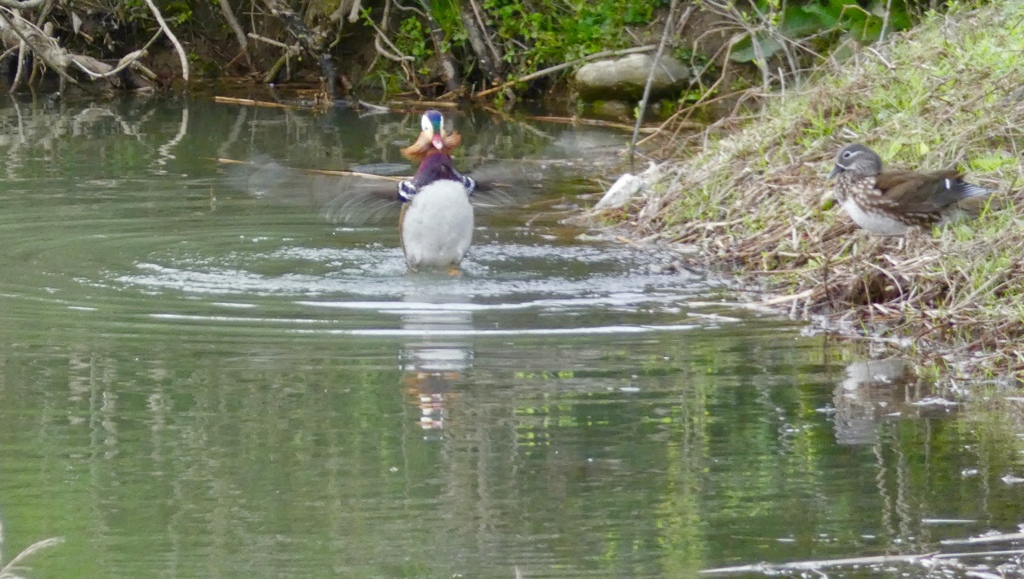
891	202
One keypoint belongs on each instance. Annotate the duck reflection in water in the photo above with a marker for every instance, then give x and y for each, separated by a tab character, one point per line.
434	362
873	391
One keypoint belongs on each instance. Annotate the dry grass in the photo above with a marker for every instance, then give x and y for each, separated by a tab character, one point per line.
947	93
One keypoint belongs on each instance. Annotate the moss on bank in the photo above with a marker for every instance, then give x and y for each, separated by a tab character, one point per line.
950	92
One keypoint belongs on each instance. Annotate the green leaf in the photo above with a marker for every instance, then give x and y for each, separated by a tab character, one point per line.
990	161
743	51
797	22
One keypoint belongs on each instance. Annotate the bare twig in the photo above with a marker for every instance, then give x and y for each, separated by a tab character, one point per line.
650	78
21	4
47	49
126	61
174	39
243	42
394	54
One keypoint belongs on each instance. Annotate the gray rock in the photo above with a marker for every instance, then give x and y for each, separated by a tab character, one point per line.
626	77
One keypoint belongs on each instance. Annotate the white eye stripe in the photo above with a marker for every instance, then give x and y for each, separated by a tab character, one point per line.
425	124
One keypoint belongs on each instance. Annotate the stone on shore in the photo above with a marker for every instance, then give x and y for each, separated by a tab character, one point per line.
625	77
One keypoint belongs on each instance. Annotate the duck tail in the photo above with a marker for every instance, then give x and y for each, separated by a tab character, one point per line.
971	190
974	198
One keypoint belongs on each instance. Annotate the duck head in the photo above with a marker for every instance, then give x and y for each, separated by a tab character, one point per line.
432	137
433	124
857	159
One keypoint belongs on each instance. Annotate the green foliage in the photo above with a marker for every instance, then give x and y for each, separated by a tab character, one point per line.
446	12
991	161
638	13
941	95
796	21
531	35
389	83
534	34
177	13
132	12
563	31
412	39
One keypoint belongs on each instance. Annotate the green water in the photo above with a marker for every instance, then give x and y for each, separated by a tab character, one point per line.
214	370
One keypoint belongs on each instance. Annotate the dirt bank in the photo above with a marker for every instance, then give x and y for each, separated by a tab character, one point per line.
751	200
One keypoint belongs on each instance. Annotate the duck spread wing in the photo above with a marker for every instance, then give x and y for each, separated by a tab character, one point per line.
348	197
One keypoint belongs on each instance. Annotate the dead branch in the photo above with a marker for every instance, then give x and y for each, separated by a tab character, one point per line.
449	72
332	173
395	54
252	103
589	122
650	76
90	65
37	41
311	42
243	42
174	39
20	4
476	28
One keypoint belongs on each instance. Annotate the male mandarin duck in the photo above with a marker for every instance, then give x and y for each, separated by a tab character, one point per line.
436	223
433	207
433	137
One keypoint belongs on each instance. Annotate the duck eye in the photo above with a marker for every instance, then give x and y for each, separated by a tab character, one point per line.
847	154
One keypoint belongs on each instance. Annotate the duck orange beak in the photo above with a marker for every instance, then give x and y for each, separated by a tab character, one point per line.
437	142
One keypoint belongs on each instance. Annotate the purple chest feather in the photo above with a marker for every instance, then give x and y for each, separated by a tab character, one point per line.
435	167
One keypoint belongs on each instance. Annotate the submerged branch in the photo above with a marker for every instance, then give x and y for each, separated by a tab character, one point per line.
8	570
937	558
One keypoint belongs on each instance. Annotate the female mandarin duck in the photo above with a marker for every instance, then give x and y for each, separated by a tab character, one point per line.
436	224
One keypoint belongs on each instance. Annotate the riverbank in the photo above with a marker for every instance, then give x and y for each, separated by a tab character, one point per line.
755	200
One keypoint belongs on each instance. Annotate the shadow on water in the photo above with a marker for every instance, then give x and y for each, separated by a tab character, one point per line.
209	369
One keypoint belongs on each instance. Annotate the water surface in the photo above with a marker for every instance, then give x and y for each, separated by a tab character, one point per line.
212	369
